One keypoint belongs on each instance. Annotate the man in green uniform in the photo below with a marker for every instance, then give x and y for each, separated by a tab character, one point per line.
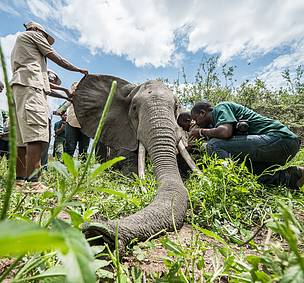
239	132
30	86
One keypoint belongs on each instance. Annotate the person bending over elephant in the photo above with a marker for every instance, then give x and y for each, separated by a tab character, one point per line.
240	133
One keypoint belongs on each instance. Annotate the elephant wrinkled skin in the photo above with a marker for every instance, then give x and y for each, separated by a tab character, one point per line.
144	113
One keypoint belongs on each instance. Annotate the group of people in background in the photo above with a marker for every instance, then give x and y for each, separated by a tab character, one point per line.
31	84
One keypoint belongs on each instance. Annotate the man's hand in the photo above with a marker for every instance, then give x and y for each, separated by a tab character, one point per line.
224	131
196	133
56	58
83	71
67	92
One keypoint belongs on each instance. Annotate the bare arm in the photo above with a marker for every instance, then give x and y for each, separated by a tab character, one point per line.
61	129
56	58
54	86
56	94
224	131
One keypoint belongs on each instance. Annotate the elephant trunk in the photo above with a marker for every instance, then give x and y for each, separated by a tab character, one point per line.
170	204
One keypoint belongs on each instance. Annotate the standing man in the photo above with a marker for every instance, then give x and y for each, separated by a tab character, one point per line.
59	141
240	133
55	83
30	86
73	134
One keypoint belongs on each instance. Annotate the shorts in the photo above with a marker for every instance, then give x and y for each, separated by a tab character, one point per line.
32	114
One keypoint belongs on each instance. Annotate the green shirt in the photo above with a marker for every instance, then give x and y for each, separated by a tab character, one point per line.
231	113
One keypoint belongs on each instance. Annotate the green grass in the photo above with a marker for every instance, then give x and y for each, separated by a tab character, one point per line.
227	206
240	231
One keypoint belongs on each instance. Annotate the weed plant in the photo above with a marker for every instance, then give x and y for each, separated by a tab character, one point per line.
241	231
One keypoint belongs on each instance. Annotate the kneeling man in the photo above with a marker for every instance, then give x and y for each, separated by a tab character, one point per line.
239	132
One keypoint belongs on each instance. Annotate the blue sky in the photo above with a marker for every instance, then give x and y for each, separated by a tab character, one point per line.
144	39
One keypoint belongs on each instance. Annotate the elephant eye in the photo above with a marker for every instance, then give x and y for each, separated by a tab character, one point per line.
134	107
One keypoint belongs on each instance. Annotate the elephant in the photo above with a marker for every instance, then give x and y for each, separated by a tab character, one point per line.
141	117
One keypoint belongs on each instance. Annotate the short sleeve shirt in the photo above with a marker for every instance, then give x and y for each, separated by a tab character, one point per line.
71	117
28	60
56	127
231	113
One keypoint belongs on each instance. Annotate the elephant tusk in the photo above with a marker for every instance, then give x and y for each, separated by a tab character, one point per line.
141	160
185	154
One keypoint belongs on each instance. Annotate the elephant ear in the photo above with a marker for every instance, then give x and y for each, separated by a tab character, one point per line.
91	96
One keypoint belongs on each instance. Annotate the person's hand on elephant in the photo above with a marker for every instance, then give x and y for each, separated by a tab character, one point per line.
196	133
68	92
83	71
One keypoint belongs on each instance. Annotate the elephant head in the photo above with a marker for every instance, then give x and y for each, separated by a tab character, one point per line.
145	114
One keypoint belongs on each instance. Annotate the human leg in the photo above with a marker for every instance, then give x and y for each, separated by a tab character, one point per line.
58	147
263	149
262	152
32	129
291	177
45	150
45	155
84	142
70	139
21	163
34	151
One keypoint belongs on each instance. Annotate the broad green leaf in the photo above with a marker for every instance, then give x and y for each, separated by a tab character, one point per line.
104	166
54	275
210	234
75	217
69	163
78	261
294	274
111	192
60	168
17	237
117	193
171	246
262	276
100	263
253	260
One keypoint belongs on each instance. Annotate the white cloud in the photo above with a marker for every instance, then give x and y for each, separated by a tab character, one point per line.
145	31
42	9
4	7
137	30
272	73
154	32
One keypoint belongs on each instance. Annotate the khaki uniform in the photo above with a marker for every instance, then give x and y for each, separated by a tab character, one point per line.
30	84
71	117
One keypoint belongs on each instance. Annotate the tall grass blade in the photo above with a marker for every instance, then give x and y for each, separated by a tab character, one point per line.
79	260
98	133
12	141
